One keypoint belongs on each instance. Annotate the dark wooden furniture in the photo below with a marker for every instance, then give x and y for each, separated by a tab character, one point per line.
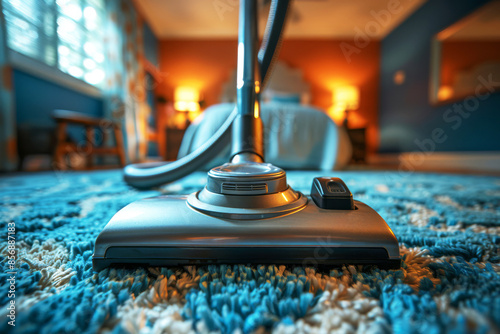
90	147
174	139
156	132
34	139
358	141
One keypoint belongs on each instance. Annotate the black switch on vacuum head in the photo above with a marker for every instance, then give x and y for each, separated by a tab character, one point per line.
331	193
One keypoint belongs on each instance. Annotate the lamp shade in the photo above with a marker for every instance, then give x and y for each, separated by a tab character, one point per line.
186	99
346	97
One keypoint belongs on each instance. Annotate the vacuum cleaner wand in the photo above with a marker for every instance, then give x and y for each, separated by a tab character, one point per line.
247	142
246	213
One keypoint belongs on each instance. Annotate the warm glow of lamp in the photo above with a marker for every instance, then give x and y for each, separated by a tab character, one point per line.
186	99
344	98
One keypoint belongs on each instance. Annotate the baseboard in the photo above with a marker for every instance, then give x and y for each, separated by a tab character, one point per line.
455	161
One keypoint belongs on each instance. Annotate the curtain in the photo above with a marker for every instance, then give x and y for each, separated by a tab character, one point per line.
8	151
125	89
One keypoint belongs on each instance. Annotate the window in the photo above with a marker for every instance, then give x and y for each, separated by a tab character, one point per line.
64	34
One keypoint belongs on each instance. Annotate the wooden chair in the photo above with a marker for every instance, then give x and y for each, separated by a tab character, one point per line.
89	148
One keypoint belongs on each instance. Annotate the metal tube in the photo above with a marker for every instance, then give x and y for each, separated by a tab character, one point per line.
247	128
247	57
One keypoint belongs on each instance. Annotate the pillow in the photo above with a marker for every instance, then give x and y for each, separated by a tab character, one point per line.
286	98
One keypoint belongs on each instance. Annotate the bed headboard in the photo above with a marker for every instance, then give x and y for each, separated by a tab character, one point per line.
284	81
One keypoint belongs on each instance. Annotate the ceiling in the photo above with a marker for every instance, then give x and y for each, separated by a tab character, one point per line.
308	19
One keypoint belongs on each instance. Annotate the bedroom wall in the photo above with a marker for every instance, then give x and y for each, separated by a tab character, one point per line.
407	120
151	45
207	64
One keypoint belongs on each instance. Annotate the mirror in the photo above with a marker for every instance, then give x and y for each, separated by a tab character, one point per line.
465	54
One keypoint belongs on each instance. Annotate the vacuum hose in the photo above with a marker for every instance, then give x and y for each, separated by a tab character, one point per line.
148	175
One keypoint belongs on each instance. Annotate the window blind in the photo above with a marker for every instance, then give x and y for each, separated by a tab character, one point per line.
65	34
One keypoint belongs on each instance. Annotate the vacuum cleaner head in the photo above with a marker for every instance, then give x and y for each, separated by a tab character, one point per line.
248	214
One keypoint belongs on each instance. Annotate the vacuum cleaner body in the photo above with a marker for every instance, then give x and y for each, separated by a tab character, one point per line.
247	213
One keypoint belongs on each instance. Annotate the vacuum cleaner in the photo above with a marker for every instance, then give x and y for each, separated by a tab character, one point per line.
247	213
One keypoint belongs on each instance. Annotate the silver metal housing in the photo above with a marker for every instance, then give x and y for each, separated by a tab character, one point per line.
247	207
246	178
247	190
166	230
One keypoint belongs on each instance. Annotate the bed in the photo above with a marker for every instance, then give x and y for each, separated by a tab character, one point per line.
296	134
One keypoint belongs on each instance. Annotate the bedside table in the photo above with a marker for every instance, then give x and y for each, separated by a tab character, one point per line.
358	141
174	139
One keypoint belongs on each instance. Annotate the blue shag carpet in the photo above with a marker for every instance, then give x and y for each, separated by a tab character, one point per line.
447	225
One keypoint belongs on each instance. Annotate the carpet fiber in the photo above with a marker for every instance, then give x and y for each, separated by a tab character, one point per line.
447	225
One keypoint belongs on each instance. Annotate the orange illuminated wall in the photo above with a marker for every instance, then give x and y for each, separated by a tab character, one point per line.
207	64
201	64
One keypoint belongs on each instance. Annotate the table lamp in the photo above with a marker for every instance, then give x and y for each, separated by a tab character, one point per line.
345	99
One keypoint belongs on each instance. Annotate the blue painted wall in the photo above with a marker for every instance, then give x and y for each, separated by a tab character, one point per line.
151	50
35	98
407	120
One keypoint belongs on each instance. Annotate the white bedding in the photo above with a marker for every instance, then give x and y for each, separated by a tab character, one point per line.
296	136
